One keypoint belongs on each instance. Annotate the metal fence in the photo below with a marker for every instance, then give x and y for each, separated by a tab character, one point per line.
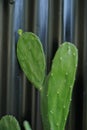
54	21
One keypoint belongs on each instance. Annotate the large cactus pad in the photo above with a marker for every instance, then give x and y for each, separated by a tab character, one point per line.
31	58
60	85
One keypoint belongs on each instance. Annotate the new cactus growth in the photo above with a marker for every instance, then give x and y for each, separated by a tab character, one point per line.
56	87
9	123
26	125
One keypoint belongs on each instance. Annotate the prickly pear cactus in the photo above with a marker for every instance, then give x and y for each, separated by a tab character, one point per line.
57	87
31	57
60	85
9	123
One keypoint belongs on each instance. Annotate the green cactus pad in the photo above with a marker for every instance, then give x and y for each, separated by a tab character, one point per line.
27	125
9	123
60	85
44	104
31	58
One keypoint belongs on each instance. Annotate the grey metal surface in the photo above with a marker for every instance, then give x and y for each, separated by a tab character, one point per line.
1	31
85	69
54	21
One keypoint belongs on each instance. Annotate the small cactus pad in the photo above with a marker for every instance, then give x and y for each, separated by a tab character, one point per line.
60	85
31	58
9	122
27	125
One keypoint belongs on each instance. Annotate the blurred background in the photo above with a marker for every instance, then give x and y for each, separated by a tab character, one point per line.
54	21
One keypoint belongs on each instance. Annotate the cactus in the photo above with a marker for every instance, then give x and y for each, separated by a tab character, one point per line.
26	125
56	87
31	58
57	92
60	85
9	122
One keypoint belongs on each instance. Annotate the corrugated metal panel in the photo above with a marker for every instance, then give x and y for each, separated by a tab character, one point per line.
77	37
85	69
54	21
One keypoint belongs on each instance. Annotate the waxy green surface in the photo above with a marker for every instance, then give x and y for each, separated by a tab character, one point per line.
56	88
44	104
60	85
31	58
27	125
9	123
